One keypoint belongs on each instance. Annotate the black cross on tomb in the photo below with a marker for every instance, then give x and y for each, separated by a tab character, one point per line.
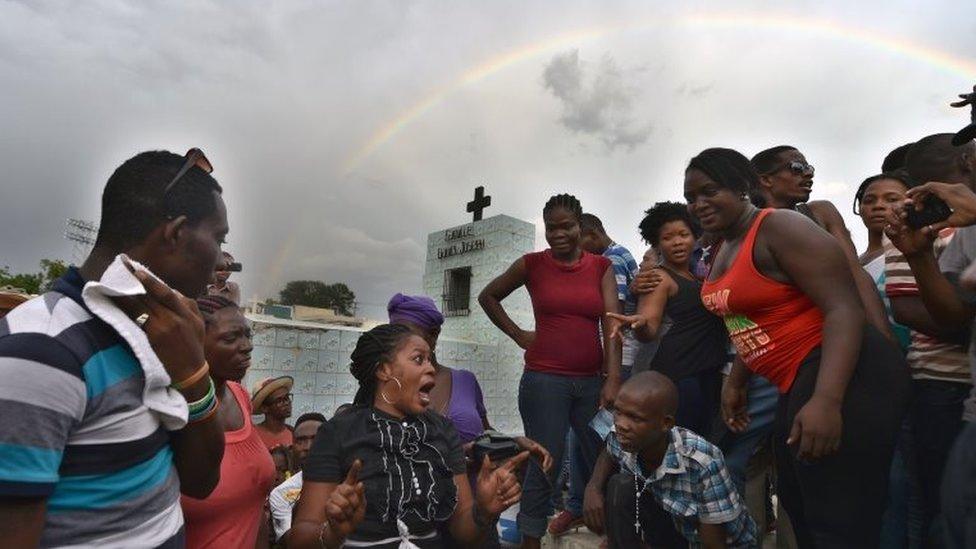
479	203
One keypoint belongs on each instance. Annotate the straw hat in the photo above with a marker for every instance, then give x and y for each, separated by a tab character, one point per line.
263	388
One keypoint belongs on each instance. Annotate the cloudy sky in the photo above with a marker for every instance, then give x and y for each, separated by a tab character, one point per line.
344	132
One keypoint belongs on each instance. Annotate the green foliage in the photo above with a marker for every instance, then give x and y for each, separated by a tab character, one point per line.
314	293
35	283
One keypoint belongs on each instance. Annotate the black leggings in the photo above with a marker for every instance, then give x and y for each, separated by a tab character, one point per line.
838	501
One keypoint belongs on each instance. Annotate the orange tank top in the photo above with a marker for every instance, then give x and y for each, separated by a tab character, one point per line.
773	325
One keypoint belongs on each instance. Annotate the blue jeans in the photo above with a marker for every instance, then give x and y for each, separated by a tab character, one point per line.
957	523
901	524
550	404
579	473
761	401
936	416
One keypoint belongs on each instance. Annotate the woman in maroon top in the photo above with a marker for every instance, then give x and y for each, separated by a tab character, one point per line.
565	363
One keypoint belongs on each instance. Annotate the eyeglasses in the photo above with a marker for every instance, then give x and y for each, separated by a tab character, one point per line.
796	168
194	157
280	400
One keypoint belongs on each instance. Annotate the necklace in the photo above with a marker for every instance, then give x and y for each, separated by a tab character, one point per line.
637	495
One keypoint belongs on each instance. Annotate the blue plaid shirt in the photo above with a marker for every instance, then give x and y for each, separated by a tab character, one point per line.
693	485
624	271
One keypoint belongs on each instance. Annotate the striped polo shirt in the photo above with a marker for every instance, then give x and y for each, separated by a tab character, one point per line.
928	357
76	432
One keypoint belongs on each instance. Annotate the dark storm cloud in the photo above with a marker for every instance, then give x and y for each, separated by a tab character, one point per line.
597	100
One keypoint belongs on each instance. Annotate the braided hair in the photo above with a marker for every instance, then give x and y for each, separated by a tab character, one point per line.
210	304
374	348
730	169
567	202
898	175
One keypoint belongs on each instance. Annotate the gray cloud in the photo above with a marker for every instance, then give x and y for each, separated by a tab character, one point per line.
596	100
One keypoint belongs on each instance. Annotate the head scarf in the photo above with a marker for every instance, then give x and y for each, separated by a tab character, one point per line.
415	309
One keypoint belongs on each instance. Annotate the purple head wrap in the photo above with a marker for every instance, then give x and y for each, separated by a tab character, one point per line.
415	309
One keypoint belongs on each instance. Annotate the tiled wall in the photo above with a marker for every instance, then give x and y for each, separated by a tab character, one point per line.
499	367
319	360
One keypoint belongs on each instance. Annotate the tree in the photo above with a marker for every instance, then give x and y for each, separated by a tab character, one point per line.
51	270
314	293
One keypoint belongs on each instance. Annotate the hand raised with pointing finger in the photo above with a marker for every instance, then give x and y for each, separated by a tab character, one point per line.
498	488
346	506
620	322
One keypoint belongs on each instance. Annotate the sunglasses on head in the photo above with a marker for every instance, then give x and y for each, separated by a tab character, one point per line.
796	168
193	157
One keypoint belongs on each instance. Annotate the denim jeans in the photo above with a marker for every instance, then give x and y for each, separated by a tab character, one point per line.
579	473
957	523
761	400
550	404
936	416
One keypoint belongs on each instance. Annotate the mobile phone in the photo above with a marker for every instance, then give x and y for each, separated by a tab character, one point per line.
235	267
934	209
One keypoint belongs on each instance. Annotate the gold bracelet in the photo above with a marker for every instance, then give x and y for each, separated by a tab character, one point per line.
194	377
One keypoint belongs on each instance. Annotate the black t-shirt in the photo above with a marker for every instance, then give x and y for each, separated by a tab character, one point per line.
408	467
697	340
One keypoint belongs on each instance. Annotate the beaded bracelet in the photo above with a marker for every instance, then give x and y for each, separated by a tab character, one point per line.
202	413
208	414
205	402
194	377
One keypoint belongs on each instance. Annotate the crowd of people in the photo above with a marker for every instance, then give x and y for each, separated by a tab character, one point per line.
751	327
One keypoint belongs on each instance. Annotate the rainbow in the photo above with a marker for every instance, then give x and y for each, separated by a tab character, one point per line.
944	61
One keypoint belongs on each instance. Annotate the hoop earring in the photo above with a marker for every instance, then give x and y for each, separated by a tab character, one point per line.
399	388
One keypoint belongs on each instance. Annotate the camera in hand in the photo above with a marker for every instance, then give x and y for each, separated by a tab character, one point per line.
934	209
497	446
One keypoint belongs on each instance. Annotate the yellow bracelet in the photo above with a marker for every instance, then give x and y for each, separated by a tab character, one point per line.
195	377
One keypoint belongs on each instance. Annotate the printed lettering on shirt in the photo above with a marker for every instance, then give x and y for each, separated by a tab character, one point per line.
751	341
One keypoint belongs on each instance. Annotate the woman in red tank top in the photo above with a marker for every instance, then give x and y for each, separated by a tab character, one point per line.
789	302
562	385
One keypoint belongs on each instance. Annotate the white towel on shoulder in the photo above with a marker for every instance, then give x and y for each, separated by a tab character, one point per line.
117	281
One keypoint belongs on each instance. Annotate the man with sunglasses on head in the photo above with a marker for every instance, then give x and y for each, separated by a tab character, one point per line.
106	396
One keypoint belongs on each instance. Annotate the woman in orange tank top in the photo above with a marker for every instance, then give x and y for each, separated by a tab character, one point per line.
789	302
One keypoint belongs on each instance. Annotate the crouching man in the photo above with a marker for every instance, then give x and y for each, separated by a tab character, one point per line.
672	488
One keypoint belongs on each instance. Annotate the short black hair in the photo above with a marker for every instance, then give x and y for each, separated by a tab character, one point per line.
935	158
897	175
133	203
768	160
728	168
665	212
895	160
566	201
309	416
590	222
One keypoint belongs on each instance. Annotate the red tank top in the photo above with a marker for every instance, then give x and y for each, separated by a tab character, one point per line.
567	301
773	325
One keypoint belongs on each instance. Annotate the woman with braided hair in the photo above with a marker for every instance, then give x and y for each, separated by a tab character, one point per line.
389	470
232	515
563	384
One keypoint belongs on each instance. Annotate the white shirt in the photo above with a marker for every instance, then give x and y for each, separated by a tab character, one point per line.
282	501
